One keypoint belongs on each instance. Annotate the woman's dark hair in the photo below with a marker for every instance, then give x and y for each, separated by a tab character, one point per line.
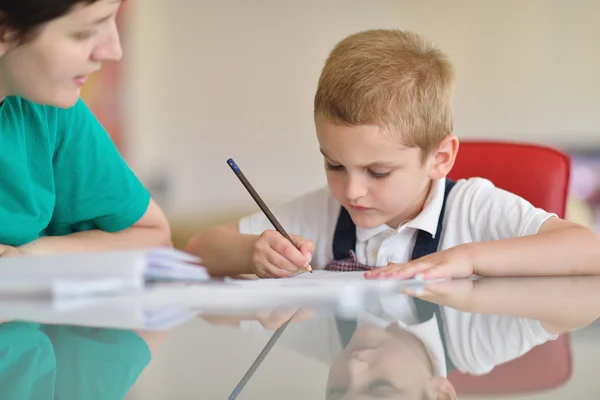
24	17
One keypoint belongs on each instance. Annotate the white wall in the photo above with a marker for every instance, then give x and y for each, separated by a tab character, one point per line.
210	80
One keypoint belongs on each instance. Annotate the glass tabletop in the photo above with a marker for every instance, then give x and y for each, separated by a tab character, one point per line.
507	338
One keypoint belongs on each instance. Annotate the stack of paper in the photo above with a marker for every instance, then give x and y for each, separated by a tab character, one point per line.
84	274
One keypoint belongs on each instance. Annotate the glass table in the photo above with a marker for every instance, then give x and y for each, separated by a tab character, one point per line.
506	338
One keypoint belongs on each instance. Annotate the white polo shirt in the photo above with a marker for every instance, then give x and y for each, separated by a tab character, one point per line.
476	211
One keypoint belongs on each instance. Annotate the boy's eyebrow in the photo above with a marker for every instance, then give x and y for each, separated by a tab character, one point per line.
384	164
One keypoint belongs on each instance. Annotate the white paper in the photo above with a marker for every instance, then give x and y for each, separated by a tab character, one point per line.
320	278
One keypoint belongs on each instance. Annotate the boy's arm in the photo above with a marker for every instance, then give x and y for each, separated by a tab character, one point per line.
223	250
561	304
244	246
559	248
508	237
150	231
514	238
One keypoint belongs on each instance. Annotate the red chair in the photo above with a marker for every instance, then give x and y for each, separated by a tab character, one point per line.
540	175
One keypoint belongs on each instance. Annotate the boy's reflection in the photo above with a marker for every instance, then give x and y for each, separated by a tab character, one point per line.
397	362
403	349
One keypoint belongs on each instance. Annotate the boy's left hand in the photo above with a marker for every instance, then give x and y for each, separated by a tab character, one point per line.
455	293
455	262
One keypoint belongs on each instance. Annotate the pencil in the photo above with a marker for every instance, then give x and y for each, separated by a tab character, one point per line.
261	357
261	204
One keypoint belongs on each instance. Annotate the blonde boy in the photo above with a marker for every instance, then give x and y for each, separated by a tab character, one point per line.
384	123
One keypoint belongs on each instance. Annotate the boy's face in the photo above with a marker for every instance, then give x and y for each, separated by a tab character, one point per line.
52	66
376	178
378	364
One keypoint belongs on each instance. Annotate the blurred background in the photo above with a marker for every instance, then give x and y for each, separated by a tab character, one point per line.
202	81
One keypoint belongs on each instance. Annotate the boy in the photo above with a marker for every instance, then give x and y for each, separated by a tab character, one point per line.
384	123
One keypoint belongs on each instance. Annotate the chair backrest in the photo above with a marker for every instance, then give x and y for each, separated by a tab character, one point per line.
540	175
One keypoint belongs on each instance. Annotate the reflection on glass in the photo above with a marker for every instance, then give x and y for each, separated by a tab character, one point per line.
62	362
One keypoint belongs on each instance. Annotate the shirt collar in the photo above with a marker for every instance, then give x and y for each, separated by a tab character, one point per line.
428	333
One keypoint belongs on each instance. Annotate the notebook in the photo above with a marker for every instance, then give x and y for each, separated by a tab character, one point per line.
93	273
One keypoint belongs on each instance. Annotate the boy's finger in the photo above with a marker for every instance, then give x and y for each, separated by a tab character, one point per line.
418	292
404	271
307	246
279	261
289	251
308	255
275	271
382	272
303	314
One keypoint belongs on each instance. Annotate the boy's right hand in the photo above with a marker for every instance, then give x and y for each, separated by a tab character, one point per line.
275	257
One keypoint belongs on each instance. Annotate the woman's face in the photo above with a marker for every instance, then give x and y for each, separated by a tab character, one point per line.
52	67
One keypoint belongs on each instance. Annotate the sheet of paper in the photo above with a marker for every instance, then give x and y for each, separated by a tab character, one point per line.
320	278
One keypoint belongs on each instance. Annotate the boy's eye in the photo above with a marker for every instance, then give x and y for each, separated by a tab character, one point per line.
379	175
382	388
333	167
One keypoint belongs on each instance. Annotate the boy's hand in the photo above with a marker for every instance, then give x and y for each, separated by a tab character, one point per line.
451	263
8	251
275	257
455	293
271	320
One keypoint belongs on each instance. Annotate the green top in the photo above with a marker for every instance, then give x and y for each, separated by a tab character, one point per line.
61	173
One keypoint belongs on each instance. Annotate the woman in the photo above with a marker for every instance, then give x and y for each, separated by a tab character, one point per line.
65	187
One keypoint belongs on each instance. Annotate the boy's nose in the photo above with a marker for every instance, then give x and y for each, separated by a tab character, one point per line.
356	369
355	189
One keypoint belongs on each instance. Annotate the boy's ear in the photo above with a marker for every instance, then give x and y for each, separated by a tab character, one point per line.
443	157
442	388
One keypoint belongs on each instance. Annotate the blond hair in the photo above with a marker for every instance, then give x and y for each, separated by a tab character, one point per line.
390	78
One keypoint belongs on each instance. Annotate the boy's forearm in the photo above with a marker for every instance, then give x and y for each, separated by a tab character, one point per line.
563	303
97	240
224	252
567	251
